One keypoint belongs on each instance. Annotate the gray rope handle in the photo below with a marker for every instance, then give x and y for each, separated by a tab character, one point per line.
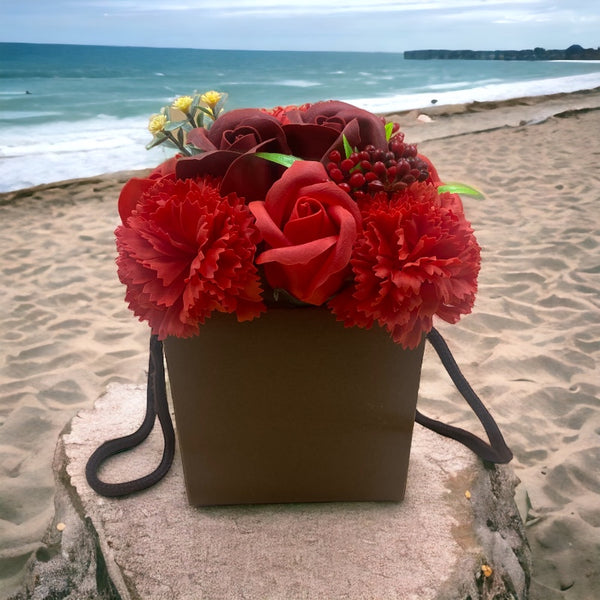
157	406
496	451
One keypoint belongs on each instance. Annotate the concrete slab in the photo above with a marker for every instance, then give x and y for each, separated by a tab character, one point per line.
153	545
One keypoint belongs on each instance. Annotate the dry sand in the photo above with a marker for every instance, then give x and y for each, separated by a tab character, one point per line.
530	348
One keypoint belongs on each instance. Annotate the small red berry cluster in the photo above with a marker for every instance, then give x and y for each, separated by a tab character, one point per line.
374	170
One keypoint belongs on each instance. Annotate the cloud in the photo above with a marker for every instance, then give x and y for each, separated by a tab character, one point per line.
275	8
360	25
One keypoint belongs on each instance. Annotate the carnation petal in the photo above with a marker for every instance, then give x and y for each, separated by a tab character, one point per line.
416	258
187	252
130	195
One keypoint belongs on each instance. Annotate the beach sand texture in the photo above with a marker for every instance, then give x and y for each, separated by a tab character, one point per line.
530	348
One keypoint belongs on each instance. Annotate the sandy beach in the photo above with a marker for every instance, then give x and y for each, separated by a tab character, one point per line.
531	348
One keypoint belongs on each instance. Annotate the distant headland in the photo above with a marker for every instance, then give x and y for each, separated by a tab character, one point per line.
574	52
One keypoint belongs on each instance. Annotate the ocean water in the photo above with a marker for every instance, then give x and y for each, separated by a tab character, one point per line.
75	111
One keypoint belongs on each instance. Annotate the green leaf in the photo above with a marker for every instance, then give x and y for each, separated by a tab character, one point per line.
220	104
196	118
193	150
347	147
388	131
156	141
283	296
206	111
460	188
287	160
173	125
195	102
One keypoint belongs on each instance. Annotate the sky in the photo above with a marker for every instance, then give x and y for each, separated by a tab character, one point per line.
345	25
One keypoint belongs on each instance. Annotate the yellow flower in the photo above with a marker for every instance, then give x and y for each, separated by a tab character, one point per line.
211	98
183	103
157	123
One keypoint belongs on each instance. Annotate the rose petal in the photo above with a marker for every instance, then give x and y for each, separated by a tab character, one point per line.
339	259
213	163
268	229
283	194
304	228
266	126
331	195
297	255
309	141
251	177
199	138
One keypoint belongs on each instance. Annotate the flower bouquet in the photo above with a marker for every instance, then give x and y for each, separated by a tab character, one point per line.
292	260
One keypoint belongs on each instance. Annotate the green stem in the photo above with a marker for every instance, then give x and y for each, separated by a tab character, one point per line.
183	149
191	120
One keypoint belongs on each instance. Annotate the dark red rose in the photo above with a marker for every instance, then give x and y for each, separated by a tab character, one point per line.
239	130
315	131
229	147
309	226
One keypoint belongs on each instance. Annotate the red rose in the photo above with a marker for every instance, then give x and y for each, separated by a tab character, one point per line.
309	225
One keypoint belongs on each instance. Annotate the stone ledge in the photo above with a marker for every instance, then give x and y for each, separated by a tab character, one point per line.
153	545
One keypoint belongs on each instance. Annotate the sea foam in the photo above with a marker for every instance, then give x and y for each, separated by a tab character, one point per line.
36	148
69	150
481	93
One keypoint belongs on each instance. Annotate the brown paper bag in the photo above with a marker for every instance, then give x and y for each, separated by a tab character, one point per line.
292	407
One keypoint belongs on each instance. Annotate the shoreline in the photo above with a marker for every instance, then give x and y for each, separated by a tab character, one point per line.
445	120
452	120
475	106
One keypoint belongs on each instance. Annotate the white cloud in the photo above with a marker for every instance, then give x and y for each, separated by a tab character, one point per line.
521	18
361	25
275	8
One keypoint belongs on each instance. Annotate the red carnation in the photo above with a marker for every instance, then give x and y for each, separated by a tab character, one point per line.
185	251
132	191
451	201
281	112
416	258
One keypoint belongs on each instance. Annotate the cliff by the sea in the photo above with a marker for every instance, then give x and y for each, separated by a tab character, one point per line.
574	52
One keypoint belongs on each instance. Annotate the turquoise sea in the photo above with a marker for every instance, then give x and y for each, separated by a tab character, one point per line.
71	111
